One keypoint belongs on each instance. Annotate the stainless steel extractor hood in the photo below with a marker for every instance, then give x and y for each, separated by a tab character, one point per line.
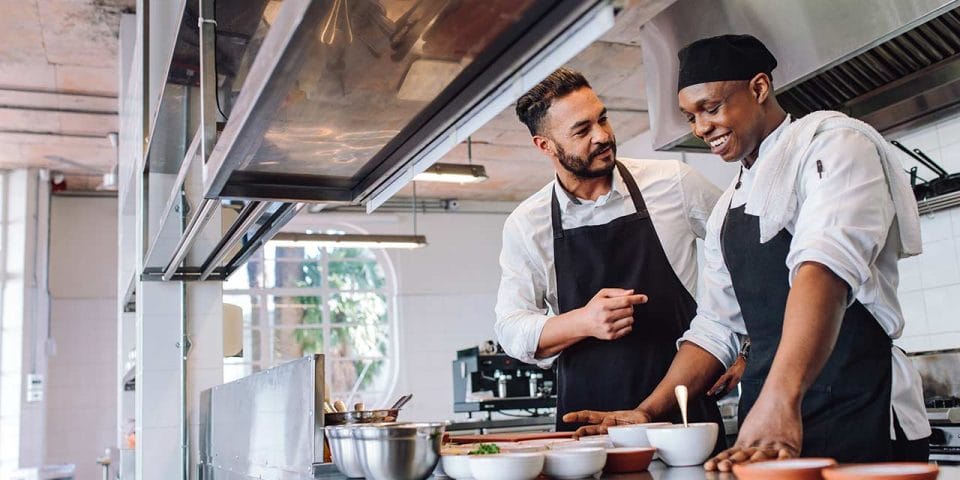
891	63
346	100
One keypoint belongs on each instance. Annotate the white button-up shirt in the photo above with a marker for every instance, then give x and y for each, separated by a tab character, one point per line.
678	198
844	223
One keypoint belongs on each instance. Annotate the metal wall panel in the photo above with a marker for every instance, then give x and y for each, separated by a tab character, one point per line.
267	426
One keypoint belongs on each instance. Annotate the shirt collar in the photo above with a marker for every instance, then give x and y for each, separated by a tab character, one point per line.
567	199
771	139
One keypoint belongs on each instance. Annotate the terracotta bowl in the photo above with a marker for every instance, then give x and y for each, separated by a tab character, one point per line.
883	471
628	459
792	469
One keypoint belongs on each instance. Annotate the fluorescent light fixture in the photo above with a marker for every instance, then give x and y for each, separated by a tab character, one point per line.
452	173
349	240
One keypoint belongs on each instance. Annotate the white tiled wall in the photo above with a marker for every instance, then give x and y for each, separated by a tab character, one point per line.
81	396
930	283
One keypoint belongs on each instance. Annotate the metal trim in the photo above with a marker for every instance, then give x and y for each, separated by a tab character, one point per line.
174	198
207	208
250	213
276	221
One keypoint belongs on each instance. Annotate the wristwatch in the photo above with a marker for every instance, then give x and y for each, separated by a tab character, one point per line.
745	349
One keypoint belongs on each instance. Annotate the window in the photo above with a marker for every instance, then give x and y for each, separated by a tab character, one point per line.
305	299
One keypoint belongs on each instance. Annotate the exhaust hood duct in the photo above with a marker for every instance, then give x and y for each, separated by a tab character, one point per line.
891	63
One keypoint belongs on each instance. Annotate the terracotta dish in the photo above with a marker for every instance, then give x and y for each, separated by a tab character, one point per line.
628	459
883	471
792	469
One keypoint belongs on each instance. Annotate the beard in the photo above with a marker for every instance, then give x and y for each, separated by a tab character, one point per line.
580	167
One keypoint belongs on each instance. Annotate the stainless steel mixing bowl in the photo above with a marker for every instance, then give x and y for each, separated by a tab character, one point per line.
343	449
401	451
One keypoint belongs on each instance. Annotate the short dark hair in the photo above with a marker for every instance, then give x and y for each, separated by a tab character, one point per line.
533	105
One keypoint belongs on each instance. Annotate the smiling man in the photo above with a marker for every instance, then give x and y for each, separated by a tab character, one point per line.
599	266
801	255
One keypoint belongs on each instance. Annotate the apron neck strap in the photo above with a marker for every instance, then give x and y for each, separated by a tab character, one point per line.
631	184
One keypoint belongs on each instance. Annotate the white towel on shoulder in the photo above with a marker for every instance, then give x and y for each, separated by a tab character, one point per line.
773	197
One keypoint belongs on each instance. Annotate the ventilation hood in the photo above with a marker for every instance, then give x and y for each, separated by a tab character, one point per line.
345	101
891	63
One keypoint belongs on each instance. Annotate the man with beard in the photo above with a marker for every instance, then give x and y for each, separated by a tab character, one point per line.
599	266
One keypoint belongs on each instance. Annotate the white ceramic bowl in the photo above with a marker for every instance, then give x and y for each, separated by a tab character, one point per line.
507	466
681	446
602	441
632	435
456	466
544	442
519	447
571	463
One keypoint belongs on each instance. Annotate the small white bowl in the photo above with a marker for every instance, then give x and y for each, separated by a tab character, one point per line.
632	435
591	441
544	442
571	463
519	447
507	466
681	446
456	466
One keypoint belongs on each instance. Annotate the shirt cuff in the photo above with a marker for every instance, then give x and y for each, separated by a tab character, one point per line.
546	362
725	349
848	275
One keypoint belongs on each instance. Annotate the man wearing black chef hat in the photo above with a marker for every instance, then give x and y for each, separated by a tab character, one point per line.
801	256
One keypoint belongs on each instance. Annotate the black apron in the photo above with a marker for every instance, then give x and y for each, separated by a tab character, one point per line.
626	253
846	413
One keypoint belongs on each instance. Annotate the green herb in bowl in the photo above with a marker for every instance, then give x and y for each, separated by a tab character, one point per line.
485	449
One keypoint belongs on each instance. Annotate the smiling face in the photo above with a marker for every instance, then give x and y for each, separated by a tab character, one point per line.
577	134
729	116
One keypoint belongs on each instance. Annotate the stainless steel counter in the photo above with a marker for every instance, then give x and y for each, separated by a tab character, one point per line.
657	471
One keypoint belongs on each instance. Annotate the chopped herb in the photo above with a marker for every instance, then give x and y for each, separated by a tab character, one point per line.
485	449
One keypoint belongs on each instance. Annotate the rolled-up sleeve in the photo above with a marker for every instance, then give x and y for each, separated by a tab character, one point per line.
718	326
845	209
521	307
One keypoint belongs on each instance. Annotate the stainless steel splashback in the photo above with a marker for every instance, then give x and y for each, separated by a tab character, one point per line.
268	425
805	36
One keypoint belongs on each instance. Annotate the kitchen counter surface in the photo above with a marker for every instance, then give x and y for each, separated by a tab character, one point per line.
657	471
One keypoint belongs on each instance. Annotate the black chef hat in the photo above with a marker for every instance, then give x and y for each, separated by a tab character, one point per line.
722	58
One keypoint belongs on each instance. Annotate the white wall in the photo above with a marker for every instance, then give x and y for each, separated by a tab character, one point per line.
23	326
81	401
930	282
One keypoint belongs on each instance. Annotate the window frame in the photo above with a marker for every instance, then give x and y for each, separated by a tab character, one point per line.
265	310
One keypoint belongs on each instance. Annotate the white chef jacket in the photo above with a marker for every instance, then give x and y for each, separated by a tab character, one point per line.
678	198
846	223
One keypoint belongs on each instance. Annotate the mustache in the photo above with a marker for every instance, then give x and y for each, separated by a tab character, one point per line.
600	150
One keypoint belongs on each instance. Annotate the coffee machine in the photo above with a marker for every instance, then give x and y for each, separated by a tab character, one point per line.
489	380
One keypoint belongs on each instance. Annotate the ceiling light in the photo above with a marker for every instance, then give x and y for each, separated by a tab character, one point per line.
351	240
453	173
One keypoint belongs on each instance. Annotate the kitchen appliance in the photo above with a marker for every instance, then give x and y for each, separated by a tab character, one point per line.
940	373
495	381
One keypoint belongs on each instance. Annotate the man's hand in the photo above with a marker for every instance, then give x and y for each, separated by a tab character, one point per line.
601	420
729	380
609	314
773	430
